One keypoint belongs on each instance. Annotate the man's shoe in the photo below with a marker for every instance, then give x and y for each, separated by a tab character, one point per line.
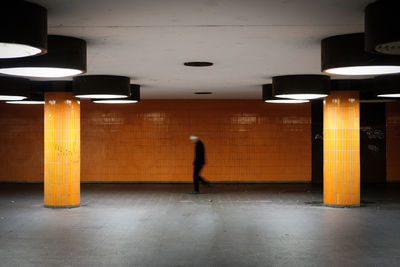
194	192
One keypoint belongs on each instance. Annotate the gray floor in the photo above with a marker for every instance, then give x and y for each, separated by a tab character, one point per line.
228	225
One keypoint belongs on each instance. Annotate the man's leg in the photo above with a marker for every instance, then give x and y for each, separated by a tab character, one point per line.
202	180
196	171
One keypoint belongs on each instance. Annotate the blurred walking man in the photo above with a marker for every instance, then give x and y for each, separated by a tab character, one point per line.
198	163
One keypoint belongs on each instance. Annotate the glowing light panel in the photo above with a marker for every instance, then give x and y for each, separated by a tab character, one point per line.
115	101
8	50
26	102
302	96
389	95
101	96
286	101
11	97
364	70
41	72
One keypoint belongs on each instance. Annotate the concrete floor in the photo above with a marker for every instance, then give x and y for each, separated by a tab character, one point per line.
228	225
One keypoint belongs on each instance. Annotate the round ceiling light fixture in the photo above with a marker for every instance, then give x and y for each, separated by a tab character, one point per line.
66	56
306	86
198	64
12	88
388	86
269	98
134	98
382	27
101	86
23	29
35	98
345	55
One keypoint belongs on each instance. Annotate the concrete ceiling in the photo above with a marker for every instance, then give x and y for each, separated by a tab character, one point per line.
249	41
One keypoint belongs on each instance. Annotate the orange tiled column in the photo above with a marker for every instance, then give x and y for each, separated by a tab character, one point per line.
342	149
61	150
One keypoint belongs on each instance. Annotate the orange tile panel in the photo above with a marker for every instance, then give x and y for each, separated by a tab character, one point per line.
61	150
245	140
21	142
342	148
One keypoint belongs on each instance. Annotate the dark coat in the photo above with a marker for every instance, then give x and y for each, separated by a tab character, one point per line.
199	158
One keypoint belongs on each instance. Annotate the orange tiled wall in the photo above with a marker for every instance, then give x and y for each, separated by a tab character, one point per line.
21	142
342	148
393	141
245	141
61	150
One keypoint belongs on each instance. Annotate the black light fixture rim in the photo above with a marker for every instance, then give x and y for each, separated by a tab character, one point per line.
101	84
135	95
267	92
65	52
301	84
135	92
381	25
51	86
387	84
14	86
28	28
267	95
347	50
34	96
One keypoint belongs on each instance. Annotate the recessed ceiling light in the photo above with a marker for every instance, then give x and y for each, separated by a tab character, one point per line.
301	87
382	33
66	56
134	98
198	64
345	55
269	98
101	86
12	88
203	93
23	29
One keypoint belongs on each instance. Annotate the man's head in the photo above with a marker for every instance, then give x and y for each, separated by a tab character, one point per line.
194	138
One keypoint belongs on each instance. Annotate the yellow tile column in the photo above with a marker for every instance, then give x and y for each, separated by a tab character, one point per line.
342	149
61	150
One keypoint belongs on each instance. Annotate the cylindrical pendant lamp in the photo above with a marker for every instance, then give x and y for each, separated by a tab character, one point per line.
305	86
133	98
345	55
23	29
269	98
66	57
35	98
388	86
12	88
382	27
101	86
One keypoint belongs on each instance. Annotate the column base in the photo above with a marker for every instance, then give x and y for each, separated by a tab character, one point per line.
62	207
341	206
